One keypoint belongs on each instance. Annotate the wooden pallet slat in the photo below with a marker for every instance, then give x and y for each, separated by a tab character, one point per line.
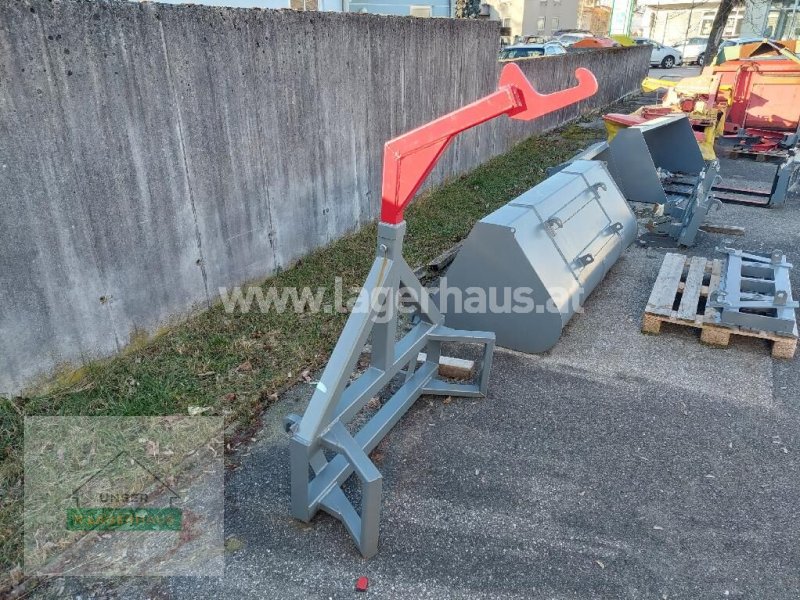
690	297
710	314
663	295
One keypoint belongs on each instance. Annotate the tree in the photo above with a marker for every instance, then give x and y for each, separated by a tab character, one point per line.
467	9
717	27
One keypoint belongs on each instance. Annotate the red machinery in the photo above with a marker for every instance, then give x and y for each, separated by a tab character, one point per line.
409	158
765	96
765	93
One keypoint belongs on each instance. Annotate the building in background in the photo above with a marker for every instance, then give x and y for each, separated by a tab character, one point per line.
671	23
622	12
328	5
419	8
422	8
595	16
778	19
534	17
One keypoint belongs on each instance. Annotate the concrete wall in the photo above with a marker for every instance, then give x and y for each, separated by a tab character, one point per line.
150	154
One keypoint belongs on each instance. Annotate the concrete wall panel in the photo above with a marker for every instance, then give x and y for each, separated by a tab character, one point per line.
150	154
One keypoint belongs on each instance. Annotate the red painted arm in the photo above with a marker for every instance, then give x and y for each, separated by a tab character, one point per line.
409	158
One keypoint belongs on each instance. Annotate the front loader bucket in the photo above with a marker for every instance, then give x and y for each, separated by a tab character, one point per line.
639	154
659	162
534	261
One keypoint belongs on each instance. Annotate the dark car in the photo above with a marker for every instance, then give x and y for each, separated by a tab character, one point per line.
518	51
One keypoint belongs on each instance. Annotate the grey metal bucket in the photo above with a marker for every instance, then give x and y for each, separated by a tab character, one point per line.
552	245
639	152
659	162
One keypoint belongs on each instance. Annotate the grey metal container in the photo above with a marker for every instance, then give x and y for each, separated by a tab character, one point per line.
553	245
659	162
639	152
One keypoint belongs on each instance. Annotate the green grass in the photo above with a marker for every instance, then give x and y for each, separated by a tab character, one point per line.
235	363
65	454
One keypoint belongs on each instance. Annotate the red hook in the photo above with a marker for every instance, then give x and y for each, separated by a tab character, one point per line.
409	158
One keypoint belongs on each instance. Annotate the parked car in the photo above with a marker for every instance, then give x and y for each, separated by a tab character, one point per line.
518	51
567	39
661	56
740	41
560	32
693	49
531	39
594	42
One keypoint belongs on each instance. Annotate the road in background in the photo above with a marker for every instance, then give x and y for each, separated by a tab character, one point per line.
675	73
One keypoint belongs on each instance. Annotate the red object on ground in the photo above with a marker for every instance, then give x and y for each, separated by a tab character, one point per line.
766	93
625	120
653	112
362	584
409	158
762	140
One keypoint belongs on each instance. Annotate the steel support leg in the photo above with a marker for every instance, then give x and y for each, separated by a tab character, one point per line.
315	480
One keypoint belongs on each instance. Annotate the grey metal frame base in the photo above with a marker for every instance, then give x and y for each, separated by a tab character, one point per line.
316	481
755	293
686	215
783	177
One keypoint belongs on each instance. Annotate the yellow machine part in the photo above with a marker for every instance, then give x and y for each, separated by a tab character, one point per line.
691	87
688	86
612	129
651	84
710	131
707	143
623	40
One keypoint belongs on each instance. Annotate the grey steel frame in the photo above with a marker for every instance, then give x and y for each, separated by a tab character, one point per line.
775	197
687	215
755	293
336	400
780	184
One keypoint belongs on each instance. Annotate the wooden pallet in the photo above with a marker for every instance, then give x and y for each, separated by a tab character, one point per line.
686	282
777	156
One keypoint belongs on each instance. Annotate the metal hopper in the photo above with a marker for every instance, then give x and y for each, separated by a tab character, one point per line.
642	154
659	162
535	260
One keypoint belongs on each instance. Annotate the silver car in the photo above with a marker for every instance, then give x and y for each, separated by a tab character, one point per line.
661	56
693	50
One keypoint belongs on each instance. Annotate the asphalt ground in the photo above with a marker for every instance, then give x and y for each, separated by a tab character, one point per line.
617	465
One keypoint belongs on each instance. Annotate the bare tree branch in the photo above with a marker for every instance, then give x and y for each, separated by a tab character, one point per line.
718	27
